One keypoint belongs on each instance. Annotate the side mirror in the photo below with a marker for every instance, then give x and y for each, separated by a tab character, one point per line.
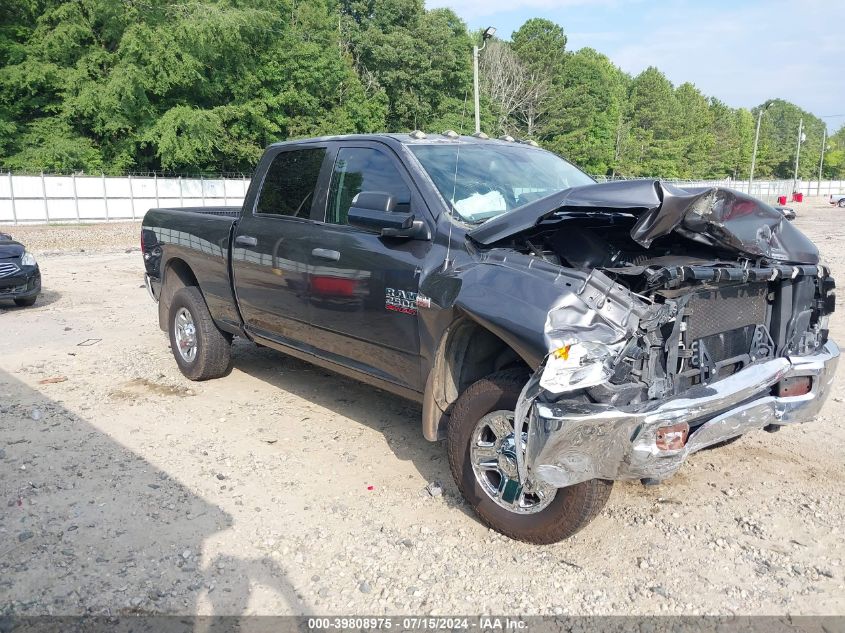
376	211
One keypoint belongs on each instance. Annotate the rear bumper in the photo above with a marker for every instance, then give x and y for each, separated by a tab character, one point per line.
574	442
153	287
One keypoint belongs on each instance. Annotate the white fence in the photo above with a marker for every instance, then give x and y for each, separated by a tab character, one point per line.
43	198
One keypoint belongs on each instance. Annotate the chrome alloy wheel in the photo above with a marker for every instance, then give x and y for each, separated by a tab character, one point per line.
493	458
186	335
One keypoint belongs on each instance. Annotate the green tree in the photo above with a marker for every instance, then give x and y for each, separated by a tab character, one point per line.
834	158
588	111
541	45
189	85
779	141
651	147
184	85
419	59
693	131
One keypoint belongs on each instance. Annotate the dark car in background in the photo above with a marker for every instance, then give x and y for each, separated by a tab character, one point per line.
788	212
20	278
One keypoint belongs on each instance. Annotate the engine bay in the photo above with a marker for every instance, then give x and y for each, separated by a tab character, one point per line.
714	312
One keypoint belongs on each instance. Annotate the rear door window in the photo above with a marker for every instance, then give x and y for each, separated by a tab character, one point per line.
288	188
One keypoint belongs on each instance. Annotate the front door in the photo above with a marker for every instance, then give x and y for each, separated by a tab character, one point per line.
271	249
364	286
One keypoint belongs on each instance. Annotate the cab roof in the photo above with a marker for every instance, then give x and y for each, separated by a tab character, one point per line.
418	138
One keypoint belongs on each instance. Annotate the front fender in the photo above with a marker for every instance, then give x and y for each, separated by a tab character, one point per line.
531	304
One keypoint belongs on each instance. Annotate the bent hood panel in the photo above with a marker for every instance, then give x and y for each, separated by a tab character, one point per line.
716	215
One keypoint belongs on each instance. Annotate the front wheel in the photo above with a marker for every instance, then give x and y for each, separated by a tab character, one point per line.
842	203
25	303
201	350
482	444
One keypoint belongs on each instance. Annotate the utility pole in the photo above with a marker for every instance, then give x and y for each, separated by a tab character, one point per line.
798	152
754	153
488	33
475	51
821	160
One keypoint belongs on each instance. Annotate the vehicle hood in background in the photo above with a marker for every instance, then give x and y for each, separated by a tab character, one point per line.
713	215
10	248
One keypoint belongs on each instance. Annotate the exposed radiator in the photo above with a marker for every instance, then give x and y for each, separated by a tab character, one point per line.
725	309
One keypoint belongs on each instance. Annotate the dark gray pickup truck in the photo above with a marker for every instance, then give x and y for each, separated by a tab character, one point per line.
560	334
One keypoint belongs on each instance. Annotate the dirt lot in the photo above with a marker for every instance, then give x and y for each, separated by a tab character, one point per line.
126	488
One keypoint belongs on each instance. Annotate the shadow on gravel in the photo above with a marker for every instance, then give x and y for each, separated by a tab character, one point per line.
45	298
88	527
399	420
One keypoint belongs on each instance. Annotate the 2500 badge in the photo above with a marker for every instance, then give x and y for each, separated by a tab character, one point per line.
404	301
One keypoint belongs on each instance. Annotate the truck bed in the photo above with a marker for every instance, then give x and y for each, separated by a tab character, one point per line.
232	212
199	238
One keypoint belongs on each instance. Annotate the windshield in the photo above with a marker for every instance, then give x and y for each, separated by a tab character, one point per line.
484	181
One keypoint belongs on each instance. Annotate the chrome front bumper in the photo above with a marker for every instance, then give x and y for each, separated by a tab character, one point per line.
573	442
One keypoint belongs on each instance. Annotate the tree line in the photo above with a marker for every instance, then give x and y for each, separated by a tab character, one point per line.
205	85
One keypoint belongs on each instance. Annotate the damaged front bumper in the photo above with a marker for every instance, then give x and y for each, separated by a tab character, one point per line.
571	442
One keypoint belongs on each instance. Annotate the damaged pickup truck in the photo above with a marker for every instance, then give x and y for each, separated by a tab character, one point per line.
559	334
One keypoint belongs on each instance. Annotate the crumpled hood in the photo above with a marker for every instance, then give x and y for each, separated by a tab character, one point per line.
10	248
715	215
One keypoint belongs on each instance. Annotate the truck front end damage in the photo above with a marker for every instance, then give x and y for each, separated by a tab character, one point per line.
704	316
697	369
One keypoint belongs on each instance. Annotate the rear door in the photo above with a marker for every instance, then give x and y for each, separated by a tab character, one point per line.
364	286
271	249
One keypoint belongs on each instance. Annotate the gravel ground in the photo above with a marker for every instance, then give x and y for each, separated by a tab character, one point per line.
283	489
77	238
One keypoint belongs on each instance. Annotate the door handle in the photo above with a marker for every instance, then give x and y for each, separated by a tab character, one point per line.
323	253
246	240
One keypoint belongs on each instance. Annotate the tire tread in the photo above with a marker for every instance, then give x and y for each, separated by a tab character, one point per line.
214	353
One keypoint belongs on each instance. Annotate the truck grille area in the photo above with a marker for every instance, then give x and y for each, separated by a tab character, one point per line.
723	330
707	323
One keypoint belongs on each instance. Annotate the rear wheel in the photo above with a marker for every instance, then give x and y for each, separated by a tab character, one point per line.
201	350
482	448
24	303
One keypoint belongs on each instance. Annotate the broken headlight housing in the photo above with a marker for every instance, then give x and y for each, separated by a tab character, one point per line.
577	366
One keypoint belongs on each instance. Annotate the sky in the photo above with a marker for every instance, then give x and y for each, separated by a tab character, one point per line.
741	51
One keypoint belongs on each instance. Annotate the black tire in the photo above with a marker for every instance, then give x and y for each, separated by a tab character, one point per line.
213	347
25	303
571	509
841	203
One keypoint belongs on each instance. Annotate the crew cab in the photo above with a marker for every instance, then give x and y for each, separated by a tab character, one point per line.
559	333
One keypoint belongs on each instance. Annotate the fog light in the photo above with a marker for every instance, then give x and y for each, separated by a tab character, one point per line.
672	438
